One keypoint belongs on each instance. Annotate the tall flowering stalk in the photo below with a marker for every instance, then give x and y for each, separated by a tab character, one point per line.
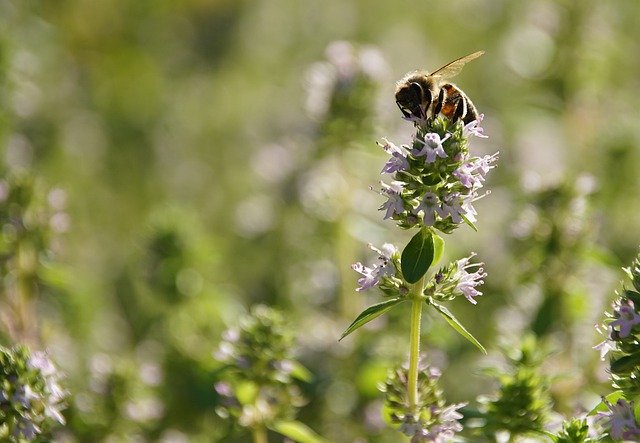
434	184
619	412
31	399
257	383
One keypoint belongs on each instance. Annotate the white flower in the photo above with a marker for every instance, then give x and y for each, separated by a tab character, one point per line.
467	282
432	147
371	275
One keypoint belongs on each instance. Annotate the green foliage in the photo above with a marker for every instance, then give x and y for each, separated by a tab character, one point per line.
455	324
418	256
256	382
30	396
199	109
371	313
573	431
522	404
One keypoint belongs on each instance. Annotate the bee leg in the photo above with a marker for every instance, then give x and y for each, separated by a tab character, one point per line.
438	106
461	109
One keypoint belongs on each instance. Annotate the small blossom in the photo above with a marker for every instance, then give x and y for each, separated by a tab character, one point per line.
453	205
430	207
471	174
432	147
604	348
620	420
394	204
467	282
626	318
465	174
473	128
371	275
398	160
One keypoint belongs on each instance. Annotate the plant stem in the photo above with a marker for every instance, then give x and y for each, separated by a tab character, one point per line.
414	343
260	434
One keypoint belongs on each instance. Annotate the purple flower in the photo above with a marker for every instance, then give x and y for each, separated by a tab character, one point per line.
620	420
430	207
432	147
471	174
467	282
394	204
446	428
626	318
604	348
398	160
371	275
473	128
454	205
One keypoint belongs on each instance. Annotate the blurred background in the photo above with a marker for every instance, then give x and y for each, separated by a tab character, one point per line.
178	162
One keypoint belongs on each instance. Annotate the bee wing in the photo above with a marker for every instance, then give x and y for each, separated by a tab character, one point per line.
453	68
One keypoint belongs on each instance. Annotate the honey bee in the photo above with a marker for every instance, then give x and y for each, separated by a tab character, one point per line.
422	95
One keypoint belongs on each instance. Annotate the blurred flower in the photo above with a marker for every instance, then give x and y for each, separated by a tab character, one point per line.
626	317
620	420
30	397
431	420
256	384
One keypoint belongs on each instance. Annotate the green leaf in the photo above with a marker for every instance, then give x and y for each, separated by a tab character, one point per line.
626	364
301	373
297	431
448	316
370	313
469	222
417	256
438	248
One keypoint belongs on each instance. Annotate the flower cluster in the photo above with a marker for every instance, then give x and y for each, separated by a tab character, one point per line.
342	85
522	404
385	272
256	385
455	280
431	420
30	396
622	332
620	420
435	180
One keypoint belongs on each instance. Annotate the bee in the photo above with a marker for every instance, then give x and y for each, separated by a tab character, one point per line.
422	95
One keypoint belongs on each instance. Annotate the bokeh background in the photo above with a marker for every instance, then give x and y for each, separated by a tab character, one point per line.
198	157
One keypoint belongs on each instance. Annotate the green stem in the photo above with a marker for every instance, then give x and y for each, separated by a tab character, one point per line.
260	434
414	343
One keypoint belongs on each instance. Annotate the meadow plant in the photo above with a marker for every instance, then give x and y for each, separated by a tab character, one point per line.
435	181
30	219
31	398
619	412
256	384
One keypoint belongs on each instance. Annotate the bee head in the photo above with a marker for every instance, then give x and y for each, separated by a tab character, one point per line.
410	96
